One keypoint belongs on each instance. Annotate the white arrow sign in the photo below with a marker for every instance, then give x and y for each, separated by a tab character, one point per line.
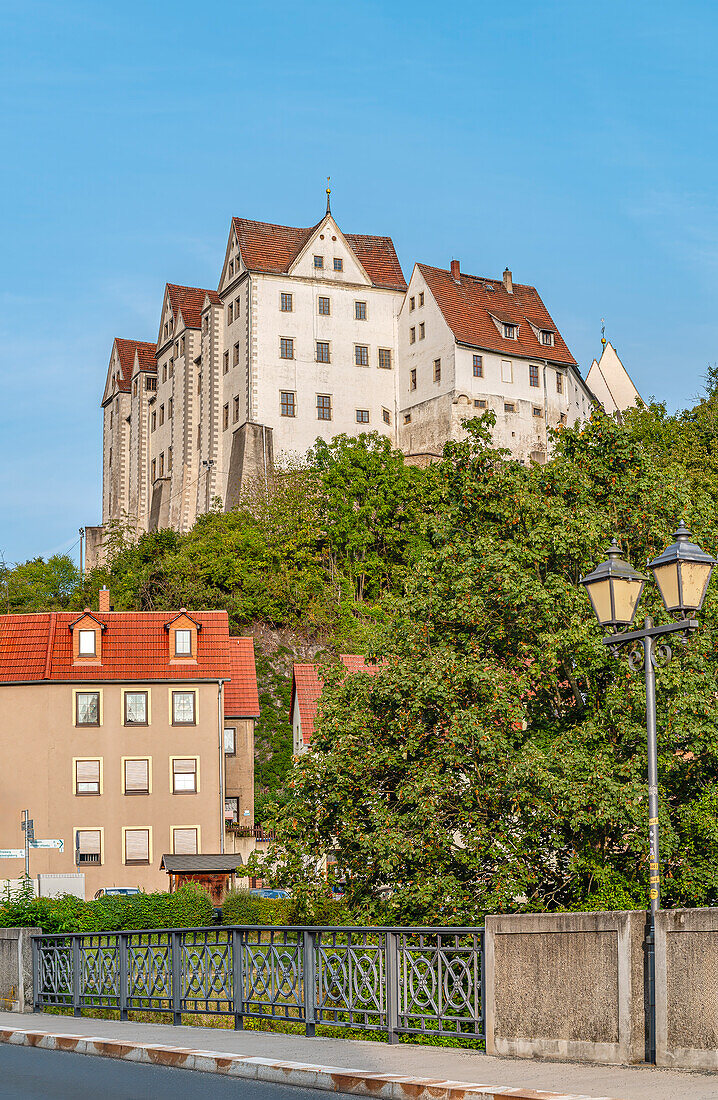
48	844
12	853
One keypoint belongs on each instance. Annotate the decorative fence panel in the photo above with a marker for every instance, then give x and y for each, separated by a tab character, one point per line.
417	981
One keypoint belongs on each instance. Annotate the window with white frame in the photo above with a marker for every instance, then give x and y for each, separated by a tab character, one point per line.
230	740
137	845
87	777
137	776
135	708
87	708
87	643
183	708
183	643
184	776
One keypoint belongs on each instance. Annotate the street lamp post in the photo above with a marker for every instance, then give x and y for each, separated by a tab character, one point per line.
682	573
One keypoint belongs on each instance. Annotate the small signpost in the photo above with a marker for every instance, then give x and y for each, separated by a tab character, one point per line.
12	853
59	844
28	827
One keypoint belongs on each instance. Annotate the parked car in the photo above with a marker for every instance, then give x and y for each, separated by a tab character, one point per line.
265	892
118	892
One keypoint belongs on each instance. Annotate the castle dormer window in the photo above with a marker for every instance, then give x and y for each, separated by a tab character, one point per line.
547	337
509	331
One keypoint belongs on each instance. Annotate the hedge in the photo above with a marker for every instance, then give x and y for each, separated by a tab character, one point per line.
242	907
188	907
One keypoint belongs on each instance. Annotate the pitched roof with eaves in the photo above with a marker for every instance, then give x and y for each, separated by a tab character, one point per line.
307	686
469	302
189	300
273	248
135	647
126	350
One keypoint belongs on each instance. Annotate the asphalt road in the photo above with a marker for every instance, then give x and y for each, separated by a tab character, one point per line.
27	1073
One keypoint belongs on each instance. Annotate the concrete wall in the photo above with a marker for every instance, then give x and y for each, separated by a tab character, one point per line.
566	985
687	989
16	969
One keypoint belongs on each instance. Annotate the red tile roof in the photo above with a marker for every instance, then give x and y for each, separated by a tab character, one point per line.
241	698
468	304
307	688
126	353
273	248
190	300
135	647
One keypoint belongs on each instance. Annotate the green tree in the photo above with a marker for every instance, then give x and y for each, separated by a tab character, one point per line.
497	761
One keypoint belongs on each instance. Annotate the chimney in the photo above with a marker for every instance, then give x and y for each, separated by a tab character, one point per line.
104	601
455	270
508	284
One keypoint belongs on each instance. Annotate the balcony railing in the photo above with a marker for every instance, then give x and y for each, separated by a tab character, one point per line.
259	832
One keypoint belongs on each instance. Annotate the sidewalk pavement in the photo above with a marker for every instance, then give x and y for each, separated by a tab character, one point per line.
402	1072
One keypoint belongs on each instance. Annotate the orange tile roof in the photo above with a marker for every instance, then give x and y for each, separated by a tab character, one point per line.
468	304
126	353
307	686
190	300
273	248
241	698
135	647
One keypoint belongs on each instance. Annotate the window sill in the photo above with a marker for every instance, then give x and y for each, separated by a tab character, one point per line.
140	724
184	723
137	863
185	792
87	725
135	792
88	794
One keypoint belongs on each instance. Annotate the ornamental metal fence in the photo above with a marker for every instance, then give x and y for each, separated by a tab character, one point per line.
410	981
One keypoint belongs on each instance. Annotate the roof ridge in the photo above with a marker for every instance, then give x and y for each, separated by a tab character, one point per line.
50	644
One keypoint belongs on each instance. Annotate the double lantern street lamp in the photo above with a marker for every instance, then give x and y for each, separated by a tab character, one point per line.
682	573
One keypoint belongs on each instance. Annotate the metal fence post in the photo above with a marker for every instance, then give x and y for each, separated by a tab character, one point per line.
76	1011
238	978
35	975
392	986
122	959
176	956
310	982
482	1010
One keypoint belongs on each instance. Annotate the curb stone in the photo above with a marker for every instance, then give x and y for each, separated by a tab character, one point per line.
388	1086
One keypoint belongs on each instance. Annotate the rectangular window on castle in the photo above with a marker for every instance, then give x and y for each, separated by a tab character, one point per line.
385	358
225	418
286	347
559	382
225	363
162	464
323	351
324	307
154	469
412	379
286	303
154	420
319	262
230	313
170	406
110	462
421	298
422	330
533	374
338	264
360	311
162	415
478	366
235	410
361	355
437	370
235	355
324	406
362	416
169	460
288	403
412	335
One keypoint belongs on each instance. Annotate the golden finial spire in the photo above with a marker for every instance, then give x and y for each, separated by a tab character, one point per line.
329	191
603	333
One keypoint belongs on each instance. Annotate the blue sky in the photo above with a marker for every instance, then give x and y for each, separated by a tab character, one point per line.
575	143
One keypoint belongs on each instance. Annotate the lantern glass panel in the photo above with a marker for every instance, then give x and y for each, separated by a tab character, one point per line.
599	594
694	582
626	594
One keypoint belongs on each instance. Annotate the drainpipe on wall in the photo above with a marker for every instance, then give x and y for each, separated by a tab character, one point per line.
220	718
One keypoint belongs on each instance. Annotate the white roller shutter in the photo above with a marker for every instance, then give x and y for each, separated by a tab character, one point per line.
137	845
185	842
137	775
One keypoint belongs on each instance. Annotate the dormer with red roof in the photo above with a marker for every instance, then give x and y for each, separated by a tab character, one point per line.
470	344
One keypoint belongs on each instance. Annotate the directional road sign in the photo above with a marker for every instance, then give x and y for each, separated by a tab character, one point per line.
48	844
12	853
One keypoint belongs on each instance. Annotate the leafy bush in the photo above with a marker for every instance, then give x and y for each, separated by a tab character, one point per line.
241	907
188	907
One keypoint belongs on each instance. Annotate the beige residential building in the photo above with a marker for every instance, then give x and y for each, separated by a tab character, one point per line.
127	736
313	333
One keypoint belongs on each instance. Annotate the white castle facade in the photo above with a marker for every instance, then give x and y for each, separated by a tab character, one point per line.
312	333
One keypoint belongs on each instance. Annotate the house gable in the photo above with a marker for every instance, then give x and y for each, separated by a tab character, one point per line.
328	242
